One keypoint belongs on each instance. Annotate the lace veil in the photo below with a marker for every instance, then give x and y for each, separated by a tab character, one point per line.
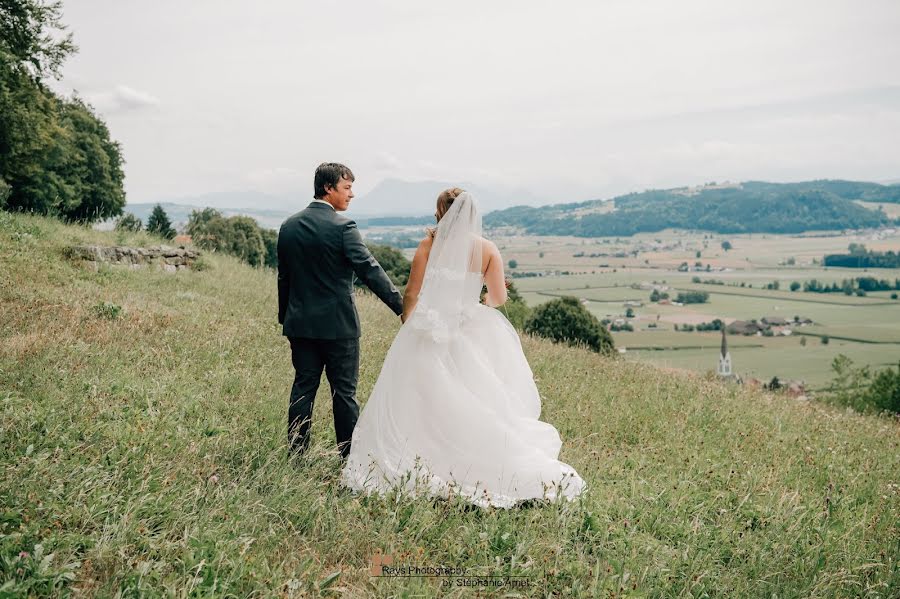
453	279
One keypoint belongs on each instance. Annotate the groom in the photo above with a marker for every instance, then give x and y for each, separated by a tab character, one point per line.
319	250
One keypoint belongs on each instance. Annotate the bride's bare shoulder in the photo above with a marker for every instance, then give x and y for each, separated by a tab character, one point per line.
488	246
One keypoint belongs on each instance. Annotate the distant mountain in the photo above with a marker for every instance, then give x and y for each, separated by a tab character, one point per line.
393	197
749	207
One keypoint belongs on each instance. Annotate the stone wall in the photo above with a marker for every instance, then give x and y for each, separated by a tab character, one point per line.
170	259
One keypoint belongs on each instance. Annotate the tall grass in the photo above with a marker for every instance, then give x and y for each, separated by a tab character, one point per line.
144	454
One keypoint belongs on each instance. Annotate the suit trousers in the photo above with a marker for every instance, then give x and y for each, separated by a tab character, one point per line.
340	359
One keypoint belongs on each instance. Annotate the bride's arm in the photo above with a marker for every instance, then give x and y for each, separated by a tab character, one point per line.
416	275
493	278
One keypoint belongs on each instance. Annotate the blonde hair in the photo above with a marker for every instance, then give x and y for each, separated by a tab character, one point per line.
444	201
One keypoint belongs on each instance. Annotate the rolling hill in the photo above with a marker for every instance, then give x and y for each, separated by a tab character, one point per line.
749	207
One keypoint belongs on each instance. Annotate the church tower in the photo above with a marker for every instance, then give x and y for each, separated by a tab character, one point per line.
724	368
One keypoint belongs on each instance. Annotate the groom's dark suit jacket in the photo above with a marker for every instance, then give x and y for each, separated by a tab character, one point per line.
318	252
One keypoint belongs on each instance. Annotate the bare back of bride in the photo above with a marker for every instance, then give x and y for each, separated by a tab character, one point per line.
455	409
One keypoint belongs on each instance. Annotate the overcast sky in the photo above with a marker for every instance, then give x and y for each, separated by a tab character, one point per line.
572	100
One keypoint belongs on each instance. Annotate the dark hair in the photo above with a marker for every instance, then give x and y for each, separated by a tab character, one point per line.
329	174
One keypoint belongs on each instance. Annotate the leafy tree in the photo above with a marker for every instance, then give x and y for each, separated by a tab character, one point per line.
32	37
56	155
513	264
795	285
654	296
238	236
566	320
128	222
629	313
245	240
159	224
270	241
726	245
392	261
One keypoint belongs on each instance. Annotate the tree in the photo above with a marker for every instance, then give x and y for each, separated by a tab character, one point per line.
270	241
825	339
629	313
158	223
245	240
128	222
513	264
654	296
56	155
795	285
726	245
566	320
393	262
33	41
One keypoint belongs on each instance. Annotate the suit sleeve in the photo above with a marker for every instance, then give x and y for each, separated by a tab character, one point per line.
284	281
368	270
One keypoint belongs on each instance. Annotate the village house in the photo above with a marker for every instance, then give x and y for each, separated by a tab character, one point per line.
774	321
744	327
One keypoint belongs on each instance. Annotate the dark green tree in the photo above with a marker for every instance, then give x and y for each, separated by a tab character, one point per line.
55	154
566	320
726	245
159	224
513	264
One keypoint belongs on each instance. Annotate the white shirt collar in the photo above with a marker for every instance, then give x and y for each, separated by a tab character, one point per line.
323	202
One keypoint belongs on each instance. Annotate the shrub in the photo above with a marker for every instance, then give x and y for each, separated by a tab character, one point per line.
860	389
107	310
128	222
566	320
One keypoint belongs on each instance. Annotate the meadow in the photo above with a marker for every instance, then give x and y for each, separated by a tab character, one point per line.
143	423
605	272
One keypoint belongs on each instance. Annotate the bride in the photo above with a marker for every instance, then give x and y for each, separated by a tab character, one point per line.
455	409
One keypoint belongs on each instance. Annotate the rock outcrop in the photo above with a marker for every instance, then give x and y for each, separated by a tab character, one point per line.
170	259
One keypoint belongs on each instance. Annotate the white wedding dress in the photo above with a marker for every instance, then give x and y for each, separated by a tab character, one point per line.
455	409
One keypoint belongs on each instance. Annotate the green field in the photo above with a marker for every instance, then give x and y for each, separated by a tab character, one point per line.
868	327
144	455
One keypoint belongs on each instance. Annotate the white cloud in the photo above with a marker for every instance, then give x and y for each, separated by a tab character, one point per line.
122	98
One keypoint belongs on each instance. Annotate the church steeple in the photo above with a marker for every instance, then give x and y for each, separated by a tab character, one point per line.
724	368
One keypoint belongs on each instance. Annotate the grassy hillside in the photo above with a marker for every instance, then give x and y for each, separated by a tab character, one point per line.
145	452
